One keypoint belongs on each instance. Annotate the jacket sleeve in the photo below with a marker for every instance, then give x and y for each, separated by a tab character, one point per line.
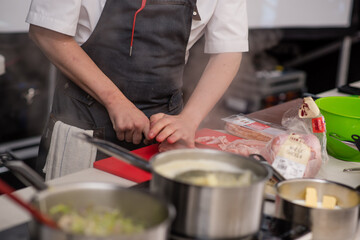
227	30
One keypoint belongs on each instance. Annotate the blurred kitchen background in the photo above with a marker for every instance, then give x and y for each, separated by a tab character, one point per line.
297	47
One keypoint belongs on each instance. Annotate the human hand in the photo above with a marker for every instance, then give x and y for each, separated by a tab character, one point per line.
166	146
172	128
129	123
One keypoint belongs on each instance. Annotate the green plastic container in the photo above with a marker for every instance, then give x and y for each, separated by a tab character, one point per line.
342	117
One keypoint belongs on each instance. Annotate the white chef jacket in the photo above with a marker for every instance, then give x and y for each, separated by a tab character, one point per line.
224	22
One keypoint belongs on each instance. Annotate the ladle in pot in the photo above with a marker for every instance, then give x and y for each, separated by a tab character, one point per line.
128	157
276	174
29	177
23	172
6	189
119	152
214	178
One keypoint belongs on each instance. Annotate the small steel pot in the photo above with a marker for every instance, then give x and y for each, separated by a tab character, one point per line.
155	214
204	212
325	224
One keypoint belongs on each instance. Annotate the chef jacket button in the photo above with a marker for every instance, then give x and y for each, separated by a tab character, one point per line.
194	13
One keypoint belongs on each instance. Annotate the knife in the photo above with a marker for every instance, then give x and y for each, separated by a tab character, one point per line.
351	169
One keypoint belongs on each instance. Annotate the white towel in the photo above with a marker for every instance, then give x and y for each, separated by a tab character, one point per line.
68	153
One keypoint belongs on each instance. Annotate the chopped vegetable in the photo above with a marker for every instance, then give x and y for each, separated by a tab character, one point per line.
93	221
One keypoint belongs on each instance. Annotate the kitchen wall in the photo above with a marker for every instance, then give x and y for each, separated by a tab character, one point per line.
23	91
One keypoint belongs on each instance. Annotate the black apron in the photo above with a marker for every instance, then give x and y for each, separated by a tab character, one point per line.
151	77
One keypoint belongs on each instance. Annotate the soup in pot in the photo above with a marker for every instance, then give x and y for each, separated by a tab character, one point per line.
206	173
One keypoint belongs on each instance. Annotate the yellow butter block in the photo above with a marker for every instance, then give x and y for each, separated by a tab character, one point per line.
328	202
311	197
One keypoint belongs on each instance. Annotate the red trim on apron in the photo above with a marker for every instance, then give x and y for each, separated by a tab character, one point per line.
143	3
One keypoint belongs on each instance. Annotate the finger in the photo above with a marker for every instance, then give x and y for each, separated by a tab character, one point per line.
164	134
146	130
120	136
137	136
165	146
174	137
147	141
158	127
129	136
162	147
190	144
177	137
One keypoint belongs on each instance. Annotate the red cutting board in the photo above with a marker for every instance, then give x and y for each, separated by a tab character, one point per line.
122	169
128	171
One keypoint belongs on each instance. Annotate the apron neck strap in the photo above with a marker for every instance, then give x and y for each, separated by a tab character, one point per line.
143	3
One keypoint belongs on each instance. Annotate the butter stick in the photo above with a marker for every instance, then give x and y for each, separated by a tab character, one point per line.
328	202
311	197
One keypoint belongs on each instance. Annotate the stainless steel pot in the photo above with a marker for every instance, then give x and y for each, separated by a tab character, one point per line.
326	224
213	212
204	212
152	212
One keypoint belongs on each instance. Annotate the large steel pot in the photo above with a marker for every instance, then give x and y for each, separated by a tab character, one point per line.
213	212
153	212
204	212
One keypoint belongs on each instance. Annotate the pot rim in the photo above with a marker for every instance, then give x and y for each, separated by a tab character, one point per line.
316	180
215	151
62	188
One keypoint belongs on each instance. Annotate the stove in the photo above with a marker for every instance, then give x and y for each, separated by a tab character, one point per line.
271	229
176	237
19	232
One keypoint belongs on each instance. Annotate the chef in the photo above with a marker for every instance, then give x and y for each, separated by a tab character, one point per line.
120	71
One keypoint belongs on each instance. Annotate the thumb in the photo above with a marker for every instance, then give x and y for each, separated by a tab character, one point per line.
146	130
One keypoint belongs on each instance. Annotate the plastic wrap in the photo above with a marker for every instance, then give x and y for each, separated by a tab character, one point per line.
251	128
296	149
307	119
294	155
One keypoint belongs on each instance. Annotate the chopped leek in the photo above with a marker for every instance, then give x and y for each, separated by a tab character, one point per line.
94	221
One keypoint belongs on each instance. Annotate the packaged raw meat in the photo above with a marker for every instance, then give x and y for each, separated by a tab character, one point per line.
294	155
243	147
307	119
296	149
302	150
250	128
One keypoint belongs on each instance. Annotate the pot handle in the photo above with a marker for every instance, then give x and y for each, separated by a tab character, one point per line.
356	139
117	152
263	161
23	172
